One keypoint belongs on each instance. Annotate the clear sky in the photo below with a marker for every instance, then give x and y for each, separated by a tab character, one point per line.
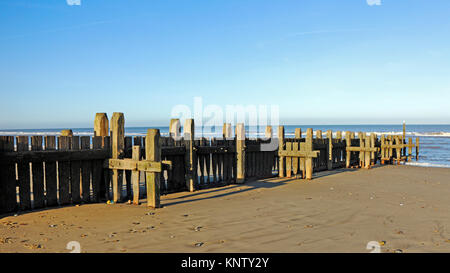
322	62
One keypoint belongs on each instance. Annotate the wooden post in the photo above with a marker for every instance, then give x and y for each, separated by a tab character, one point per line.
398	150
117	152
175	129
367	153
348	142
410	144
240	153
101	125
153	153
309	160
298	133
339	135
330	149
417	148
226	130
269	132
67	133
281	166
319	134
373	155
190	158
383	150
297	163
136	155
404	138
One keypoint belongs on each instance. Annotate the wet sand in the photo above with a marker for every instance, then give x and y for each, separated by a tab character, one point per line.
406	208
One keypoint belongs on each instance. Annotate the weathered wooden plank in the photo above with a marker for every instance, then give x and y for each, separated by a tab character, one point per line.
288	158
64	172
240	153
8	200
136	156
50	173
105	187
190	155
52	156
281	145
308	146
153	153
97	171
86	167
23	171
117	152
75	173
38	175
128	154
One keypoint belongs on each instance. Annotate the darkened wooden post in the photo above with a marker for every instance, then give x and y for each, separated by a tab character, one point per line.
295	148
190	158
117	152
330	149
298	136
309	148
240	153
38	174
175	129
8	183
153	153
268	156
136	155
281	165
417	148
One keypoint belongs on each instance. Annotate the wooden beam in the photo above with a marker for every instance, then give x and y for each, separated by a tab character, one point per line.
240	153
117	151
190	155
130	164
281	146
136	156
175	129
153	153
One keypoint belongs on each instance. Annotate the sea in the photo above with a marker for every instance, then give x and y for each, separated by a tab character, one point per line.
434	139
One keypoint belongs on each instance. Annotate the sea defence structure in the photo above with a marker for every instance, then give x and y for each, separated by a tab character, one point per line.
45	171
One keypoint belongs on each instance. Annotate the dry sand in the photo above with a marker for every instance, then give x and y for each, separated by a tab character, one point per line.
407	207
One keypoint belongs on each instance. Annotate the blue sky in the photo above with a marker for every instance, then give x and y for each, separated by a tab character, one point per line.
322	62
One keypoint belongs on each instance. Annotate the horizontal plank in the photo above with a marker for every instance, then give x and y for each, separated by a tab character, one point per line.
361	149
303	154
133	165
51	156
214	149
398	146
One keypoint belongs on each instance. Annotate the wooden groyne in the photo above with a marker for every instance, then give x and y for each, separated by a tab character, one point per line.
46	171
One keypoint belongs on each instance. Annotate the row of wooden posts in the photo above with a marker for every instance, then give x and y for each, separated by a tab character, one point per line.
74	171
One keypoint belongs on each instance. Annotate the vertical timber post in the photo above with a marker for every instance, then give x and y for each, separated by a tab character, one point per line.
348	142
136	155
175	129
417	148
190	159
330	150
240	153
373	155
281	165
101	125
226	131
309	148
117	151
153	153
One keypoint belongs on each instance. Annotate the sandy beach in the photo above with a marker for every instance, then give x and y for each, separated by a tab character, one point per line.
406	208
